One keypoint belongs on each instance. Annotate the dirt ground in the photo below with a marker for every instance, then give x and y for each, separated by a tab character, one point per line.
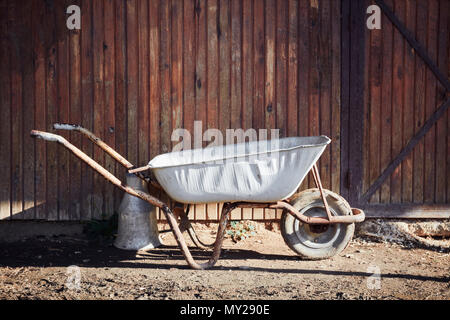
259	267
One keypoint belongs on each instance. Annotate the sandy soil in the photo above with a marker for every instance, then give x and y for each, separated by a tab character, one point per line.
259	267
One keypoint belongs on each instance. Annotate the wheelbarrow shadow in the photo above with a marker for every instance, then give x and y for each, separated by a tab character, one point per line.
64	252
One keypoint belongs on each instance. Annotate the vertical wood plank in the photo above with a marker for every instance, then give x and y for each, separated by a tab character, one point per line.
366	158
374	117
258	75
87	106
200	81
303	77
270	74
176	98
5	111
247	65
51	106
28	115
386	103
99	105
442	126
236	76
335	96
109	87
397	102
155	94
132	80
224	66
314	77
63	114
419	108
188	68
143	74
75	117
281	71
14	13
120	114
165	65
408	106
40	112
292	70
270	30
429	139
212	80
247	75
325	88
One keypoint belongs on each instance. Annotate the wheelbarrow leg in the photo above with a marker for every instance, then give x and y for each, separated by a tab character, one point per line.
185	225
226	209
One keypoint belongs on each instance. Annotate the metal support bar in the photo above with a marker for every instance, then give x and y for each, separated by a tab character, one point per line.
318	182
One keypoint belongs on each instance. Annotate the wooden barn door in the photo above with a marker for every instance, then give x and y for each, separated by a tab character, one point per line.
397	132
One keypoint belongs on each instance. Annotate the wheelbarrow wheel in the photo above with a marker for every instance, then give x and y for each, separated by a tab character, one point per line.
316	241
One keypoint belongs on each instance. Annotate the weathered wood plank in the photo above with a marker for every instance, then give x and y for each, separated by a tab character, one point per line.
109	87
28	115
236	76
281	71
430	106
247	75
155	93
39	123
87	106
386	107
132	42
335	97
258	77
63	116
201	82
5	111
292	70
314	77
75	117
419	107
120	114
408	106
442	126
176	97
99	105
397	102
51	118
143	141
224	66
14	14
270	75
325	88
303	82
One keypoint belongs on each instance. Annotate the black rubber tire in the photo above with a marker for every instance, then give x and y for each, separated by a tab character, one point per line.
312	242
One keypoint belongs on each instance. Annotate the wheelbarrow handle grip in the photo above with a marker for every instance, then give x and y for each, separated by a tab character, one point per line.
140	169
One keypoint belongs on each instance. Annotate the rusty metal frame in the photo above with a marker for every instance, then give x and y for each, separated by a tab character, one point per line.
358	215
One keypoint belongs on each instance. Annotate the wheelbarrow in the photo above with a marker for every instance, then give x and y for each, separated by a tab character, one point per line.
315	223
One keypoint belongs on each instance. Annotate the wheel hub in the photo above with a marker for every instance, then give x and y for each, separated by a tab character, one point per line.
316	235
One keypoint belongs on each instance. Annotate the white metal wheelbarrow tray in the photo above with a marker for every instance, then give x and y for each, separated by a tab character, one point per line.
315	223
256	171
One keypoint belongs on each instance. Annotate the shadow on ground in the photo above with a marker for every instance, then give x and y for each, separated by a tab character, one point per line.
63	252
